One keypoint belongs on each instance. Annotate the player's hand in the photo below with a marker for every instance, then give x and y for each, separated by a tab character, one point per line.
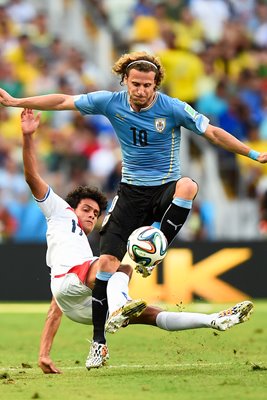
5	98
47	366
262	158
29	123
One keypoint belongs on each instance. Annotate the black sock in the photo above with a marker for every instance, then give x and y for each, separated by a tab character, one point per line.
173	220
99	310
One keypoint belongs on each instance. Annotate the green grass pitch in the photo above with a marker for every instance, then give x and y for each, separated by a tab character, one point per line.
145	362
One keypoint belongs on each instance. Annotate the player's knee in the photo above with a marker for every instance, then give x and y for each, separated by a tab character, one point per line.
186	188
127	269
108	263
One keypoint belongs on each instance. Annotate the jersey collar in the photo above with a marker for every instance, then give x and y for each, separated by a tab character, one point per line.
145	108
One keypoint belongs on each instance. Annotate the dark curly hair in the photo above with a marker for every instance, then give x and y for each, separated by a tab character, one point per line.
121	66
87	192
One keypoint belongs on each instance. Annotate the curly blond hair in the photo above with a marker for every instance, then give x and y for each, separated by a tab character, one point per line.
122	65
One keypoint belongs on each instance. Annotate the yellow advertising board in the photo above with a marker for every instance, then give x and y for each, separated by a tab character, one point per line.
182	279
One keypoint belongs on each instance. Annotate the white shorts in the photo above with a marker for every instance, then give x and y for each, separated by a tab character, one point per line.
73	297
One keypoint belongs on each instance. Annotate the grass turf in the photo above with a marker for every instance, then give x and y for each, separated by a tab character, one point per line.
145	362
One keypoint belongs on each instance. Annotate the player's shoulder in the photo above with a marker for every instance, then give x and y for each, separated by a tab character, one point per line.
107	93
106	96
170	103
119	95
52	200
168	100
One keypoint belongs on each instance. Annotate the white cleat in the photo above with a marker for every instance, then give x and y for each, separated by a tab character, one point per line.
121	317
236	315
98	356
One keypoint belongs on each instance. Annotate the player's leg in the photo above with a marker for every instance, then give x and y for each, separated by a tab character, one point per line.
118	288
125	214
177	321
177	208
107	266
98	353
172	321
108	263
121	306
74	296
171	204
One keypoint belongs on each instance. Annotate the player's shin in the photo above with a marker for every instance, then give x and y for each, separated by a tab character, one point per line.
173	321
117	291
175	217
100	310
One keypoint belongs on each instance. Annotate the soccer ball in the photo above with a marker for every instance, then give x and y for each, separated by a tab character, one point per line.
147	246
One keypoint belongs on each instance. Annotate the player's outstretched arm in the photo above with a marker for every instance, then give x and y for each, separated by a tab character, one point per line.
45	102
221	138
29	124
52	323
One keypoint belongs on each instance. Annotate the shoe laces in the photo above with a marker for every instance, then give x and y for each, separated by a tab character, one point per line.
230	311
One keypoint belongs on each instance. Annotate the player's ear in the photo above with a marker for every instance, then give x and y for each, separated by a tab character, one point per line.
125	79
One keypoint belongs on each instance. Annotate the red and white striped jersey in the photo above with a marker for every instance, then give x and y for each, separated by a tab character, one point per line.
67	244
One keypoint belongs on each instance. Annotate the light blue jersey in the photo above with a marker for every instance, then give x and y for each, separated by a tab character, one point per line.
149	139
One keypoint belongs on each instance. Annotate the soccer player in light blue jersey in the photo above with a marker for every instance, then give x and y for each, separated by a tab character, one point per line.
148	125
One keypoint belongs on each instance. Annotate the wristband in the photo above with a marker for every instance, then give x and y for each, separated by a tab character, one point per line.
253	154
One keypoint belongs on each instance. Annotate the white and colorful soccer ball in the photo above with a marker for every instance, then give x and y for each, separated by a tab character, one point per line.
147	246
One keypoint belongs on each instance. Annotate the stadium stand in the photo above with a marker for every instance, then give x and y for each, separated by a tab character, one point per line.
69	46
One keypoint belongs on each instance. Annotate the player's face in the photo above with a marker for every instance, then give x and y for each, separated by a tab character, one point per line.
141	88
88	212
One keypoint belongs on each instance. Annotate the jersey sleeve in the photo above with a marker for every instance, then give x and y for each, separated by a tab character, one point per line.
93	103
52	204
189	118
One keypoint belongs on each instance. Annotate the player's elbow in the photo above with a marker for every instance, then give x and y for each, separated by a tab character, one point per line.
31	182
66	103
212	134
28	179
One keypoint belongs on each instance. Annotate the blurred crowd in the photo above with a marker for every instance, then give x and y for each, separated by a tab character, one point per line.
215	56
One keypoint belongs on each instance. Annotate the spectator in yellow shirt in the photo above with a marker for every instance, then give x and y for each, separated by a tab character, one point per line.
189	31
183	70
